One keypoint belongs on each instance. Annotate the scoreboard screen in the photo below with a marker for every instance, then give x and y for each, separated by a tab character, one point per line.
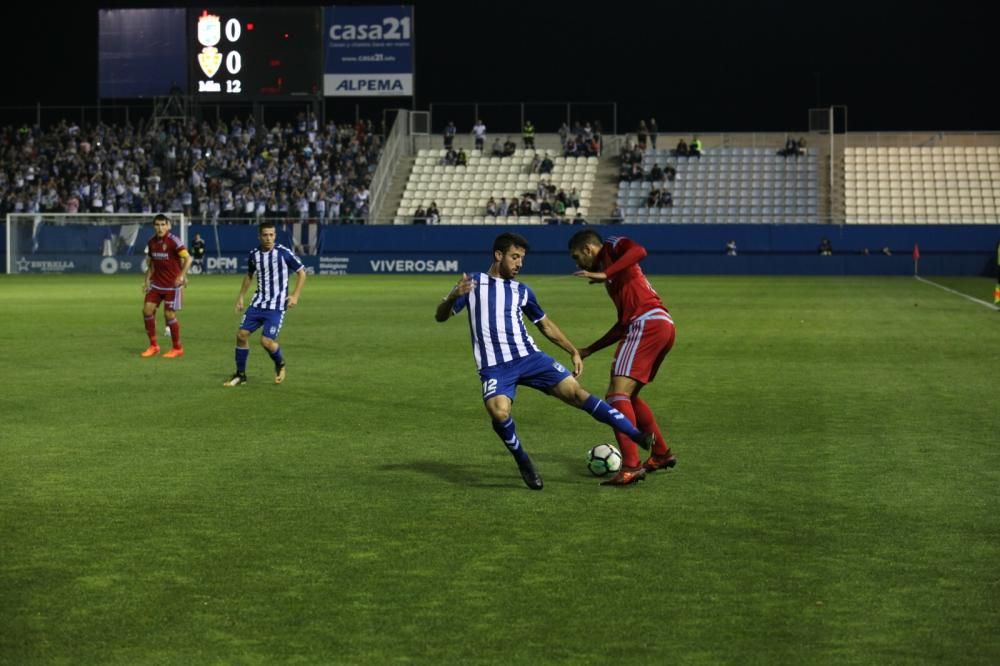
254	52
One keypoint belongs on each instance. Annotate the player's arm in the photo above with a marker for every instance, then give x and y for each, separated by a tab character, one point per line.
631	254
300	281
247	279
446	308
186	261
616	333
555	334
147	277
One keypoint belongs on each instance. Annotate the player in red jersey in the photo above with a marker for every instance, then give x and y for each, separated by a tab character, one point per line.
644	332
167	263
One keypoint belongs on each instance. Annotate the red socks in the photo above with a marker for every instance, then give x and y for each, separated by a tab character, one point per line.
175	333
629	449
646	422
150	323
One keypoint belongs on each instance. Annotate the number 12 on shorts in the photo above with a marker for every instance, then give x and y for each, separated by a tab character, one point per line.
489	387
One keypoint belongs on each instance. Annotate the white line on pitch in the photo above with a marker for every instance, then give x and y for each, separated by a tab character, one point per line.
958	293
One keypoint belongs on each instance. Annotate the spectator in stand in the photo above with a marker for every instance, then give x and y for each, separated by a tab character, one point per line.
528	134
497	148
617	216
449	135
670	172
563	135
666	199
791	148
536	164
526	207
420	215
433	214
656	174
461	159
502	207
682	149
545	208
653	131
825	248
479	134
450	158
515	207
491	207
578	218
509	148
731	248
641	135
559	208
572	148
694	150
653	198
573	198
546	165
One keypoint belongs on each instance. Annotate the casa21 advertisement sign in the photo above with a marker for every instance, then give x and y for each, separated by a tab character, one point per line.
369	51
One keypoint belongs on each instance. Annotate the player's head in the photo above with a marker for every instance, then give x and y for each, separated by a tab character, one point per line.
161	223
584	247
266	235
508	254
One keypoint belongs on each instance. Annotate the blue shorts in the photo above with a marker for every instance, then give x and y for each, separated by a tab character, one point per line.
539	371
269	321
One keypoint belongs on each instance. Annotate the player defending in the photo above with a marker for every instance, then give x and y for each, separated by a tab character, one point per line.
272	264
507	356
644	332
167	264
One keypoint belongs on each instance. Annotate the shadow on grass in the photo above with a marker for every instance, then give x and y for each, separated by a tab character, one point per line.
461	474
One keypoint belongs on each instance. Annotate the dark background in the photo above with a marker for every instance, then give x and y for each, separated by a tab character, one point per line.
710	66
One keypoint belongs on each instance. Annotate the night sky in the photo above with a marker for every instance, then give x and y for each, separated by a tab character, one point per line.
709	66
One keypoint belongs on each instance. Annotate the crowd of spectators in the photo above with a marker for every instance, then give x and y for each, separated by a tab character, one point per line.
583	140
217	171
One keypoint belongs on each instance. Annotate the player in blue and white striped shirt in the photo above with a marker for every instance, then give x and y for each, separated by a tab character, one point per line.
507	356
273	265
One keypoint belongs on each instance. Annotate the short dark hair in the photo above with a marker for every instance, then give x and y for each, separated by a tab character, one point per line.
266	224
506	240
161	216
584	237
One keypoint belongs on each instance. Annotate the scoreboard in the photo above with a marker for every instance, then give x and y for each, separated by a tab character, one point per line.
254	52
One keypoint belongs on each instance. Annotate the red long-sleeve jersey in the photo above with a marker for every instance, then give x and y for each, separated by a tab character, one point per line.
626	284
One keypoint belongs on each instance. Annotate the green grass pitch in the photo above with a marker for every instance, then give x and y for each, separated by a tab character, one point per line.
836	501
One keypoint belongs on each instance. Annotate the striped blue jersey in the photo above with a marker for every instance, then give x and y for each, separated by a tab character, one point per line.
498	332
273	269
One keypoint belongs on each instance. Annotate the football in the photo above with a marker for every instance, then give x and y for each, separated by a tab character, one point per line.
604	459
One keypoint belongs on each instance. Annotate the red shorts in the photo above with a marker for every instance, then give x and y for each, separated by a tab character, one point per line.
643	349
171	298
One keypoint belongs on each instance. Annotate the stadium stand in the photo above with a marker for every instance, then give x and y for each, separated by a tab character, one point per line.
461	192
921	185
209	171
729	185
